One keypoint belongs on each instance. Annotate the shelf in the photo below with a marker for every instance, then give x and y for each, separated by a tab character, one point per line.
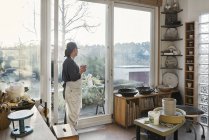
172	12
188	104
190	39
189	71
189	79
189	88
171	26
171	68
189	96
177	39
172	55
188	31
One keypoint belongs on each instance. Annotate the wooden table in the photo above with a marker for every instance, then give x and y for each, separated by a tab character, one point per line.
160	130
40	130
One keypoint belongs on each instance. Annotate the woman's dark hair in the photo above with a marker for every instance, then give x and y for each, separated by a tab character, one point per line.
69	48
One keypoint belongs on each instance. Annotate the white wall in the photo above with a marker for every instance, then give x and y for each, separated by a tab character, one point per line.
197	7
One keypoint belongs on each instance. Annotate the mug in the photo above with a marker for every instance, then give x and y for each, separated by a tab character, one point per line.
189	85
191	52
190	68
191	36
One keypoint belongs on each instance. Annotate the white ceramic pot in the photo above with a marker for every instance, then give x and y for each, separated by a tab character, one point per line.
169	106
15	91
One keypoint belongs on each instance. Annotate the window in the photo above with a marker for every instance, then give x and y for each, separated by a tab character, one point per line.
203	86
132	47
20	44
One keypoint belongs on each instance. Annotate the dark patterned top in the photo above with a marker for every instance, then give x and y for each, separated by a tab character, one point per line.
70	70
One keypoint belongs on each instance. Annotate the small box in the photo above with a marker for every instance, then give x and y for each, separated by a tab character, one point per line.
65	132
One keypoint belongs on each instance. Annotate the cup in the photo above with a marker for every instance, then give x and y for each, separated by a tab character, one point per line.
190	68
154	117
169	106
191	36
189	85
190	52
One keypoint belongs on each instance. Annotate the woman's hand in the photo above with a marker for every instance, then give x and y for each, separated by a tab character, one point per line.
82	69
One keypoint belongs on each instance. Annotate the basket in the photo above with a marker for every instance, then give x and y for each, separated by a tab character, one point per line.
176	119
4	121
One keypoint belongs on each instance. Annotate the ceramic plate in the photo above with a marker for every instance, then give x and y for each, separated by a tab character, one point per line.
173	49
171	62
170	79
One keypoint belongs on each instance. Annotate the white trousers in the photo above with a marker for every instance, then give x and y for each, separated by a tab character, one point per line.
73	98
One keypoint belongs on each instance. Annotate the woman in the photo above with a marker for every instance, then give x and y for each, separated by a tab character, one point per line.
71	75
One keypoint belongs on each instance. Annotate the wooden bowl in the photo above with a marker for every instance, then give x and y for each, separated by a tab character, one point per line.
163	88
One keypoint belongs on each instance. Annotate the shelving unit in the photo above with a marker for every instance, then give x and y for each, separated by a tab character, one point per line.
171	22
127	109
189	97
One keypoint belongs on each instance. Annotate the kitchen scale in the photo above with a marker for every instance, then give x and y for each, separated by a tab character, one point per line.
21	116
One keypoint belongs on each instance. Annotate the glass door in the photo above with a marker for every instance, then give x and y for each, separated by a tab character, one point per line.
84	23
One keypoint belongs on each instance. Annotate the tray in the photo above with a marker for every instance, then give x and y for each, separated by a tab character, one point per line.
177	119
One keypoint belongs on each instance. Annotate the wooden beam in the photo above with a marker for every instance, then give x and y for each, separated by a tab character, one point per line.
145	2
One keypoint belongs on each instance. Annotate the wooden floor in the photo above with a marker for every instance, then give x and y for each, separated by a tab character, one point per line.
115	132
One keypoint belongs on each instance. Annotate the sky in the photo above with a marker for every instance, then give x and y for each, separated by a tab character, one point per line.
129	25
16	17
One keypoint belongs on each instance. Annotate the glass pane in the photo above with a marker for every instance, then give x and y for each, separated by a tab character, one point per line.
203	69
204	18
204	48
204	38
132	47
203	79
85	25
204	119
204	108
203	59
203	99
203	89
204	28
20	44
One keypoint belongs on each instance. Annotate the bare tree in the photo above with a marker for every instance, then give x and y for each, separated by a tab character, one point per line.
74	15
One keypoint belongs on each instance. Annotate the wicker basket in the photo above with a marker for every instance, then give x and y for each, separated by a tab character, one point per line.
4	121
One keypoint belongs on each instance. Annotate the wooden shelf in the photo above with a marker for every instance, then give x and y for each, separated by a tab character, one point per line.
171	26
189	94
172	55
172	12
171	68
177	39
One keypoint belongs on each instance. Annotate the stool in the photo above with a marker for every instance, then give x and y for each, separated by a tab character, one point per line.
65	132
192	112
